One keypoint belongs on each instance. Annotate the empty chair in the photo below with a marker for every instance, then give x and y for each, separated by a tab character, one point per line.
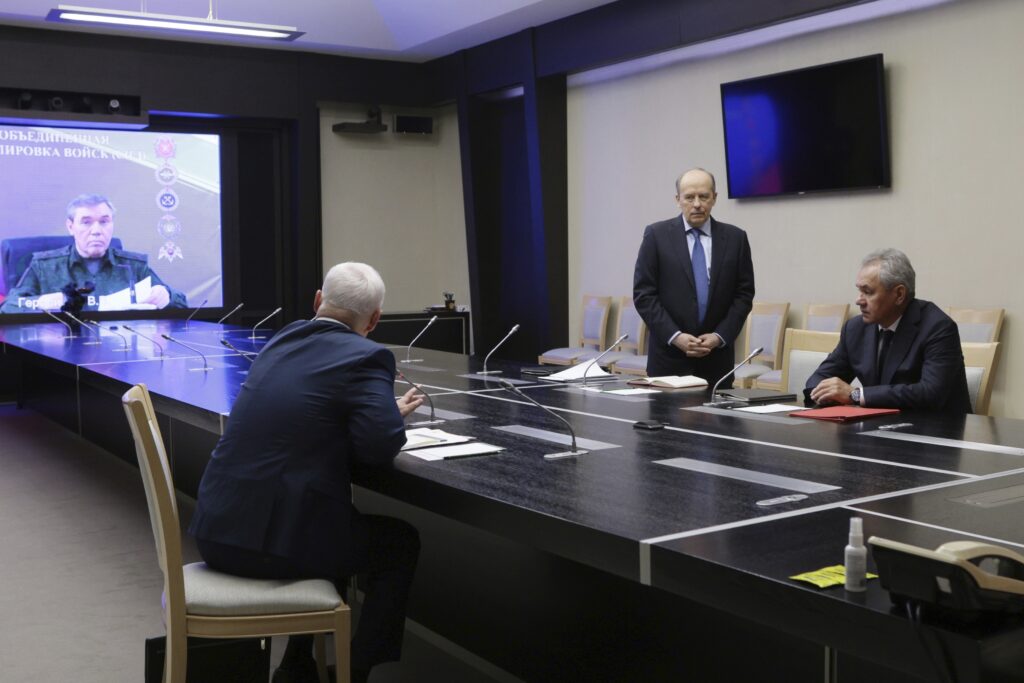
765	328
804	352
593	332
977	324
201	602
980	362
627	321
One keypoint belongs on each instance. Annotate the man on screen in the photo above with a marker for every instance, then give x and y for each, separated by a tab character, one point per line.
90	258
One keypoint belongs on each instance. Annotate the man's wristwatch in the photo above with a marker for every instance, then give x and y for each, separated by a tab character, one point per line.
855	396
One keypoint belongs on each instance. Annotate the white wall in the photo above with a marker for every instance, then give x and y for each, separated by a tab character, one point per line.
956	99
395	202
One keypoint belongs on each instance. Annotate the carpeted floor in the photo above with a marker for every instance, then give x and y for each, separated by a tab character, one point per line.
79	583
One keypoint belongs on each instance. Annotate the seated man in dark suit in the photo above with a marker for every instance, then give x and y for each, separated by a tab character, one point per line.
905	351
275	500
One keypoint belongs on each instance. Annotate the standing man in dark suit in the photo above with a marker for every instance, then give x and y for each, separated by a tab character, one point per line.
905	350
693	285
275	500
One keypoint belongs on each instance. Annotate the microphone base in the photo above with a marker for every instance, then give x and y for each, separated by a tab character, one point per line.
565	454
425	423
488	372
411	360
725	404
204	369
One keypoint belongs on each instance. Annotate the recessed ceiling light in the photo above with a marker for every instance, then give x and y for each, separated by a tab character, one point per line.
167	22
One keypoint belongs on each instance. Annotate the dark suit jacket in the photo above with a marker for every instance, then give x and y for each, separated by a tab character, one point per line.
924	368
663	290
318	398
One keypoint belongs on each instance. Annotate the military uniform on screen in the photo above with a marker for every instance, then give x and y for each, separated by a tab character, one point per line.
50	271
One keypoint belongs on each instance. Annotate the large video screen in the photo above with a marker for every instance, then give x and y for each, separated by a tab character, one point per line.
115	220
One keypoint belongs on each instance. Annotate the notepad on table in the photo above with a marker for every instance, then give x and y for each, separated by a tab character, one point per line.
459	450
844	413
670	381
425	437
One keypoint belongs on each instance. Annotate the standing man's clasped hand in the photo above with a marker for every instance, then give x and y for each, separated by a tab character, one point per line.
697	347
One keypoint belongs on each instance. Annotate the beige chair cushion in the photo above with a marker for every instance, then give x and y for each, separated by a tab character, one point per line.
211	593
632	363
802	365
974	377
751	371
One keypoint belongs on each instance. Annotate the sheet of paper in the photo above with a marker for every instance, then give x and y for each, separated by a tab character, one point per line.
424	437
142	289
460	450
772	408
629	392
118	301
575	372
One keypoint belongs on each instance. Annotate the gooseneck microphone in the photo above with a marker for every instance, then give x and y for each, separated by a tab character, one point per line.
240	352
433	420
253	335
572	433
408	351
169	338
194	312
515	328
155	343
601	355
230	313
714	391
86	326
71	332
111	329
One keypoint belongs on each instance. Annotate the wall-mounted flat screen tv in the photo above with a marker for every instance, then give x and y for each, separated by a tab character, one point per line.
823	128
129	220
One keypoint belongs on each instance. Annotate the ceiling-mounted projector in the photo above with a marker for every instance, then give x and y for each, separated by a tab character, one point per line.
373	124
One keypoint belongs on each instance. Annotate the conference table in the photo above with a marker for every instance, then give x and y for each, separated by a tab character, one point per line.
659	554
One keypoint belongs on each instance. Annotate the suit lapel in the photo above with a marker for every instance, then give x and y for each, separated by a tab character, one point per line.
678	240
906	333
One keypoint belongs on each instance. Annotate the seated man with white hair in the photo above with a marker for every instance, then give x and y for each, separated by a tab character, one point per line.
275	500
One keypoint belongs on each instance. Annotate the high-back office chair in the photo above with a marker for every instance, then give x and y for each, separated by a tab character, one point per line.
817	318
16	254
593	332
978	324
201	602
766	326
627	321
805	349
980	362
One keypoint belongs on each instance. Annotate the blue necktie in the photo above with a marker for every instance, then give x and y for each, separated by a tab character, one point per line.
700	274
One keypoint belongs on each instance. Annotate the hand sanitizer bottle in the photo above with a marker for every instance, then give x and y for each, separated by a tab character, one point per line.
856	558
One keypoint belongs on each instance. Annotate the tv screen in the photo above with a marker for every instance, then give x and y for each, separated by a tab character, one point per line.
123	220
811	130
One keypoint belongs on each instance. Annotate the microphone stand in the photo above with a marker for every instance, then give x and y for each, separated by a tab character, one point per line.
71	332
194	312
206	366
86	326
408	351
714	391
572	433
155	343
252	337
110	329
515	328
229	313
243	354
433	419
600	356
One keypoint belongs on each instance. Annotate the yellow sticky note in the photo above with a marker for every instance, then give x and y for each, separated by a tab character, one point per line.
827	576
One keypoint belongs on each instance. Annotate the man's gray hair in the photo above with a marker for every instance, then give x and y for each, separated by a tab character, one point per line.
893	268
88	200
696	168
354	287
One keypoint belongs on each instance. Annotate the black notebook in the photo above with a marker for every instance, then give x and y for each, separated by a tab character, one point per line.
756	395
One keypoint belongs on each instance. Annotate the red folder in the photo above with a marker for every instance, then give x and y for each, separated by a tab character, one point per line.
843	413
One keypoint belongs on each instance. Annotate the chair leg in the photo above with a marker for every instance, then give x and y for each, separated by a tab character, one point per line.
321	656
342	645
176	658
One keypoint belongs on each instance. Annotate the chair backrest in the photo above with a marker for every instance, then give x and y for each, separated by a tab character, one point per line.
804	351
629	322
978	324
594	326
16	253
980	362
163	507
825	317
766	326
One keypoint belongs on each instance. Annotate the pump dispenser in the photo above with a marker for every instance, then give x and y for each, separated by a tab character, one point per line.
856	558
